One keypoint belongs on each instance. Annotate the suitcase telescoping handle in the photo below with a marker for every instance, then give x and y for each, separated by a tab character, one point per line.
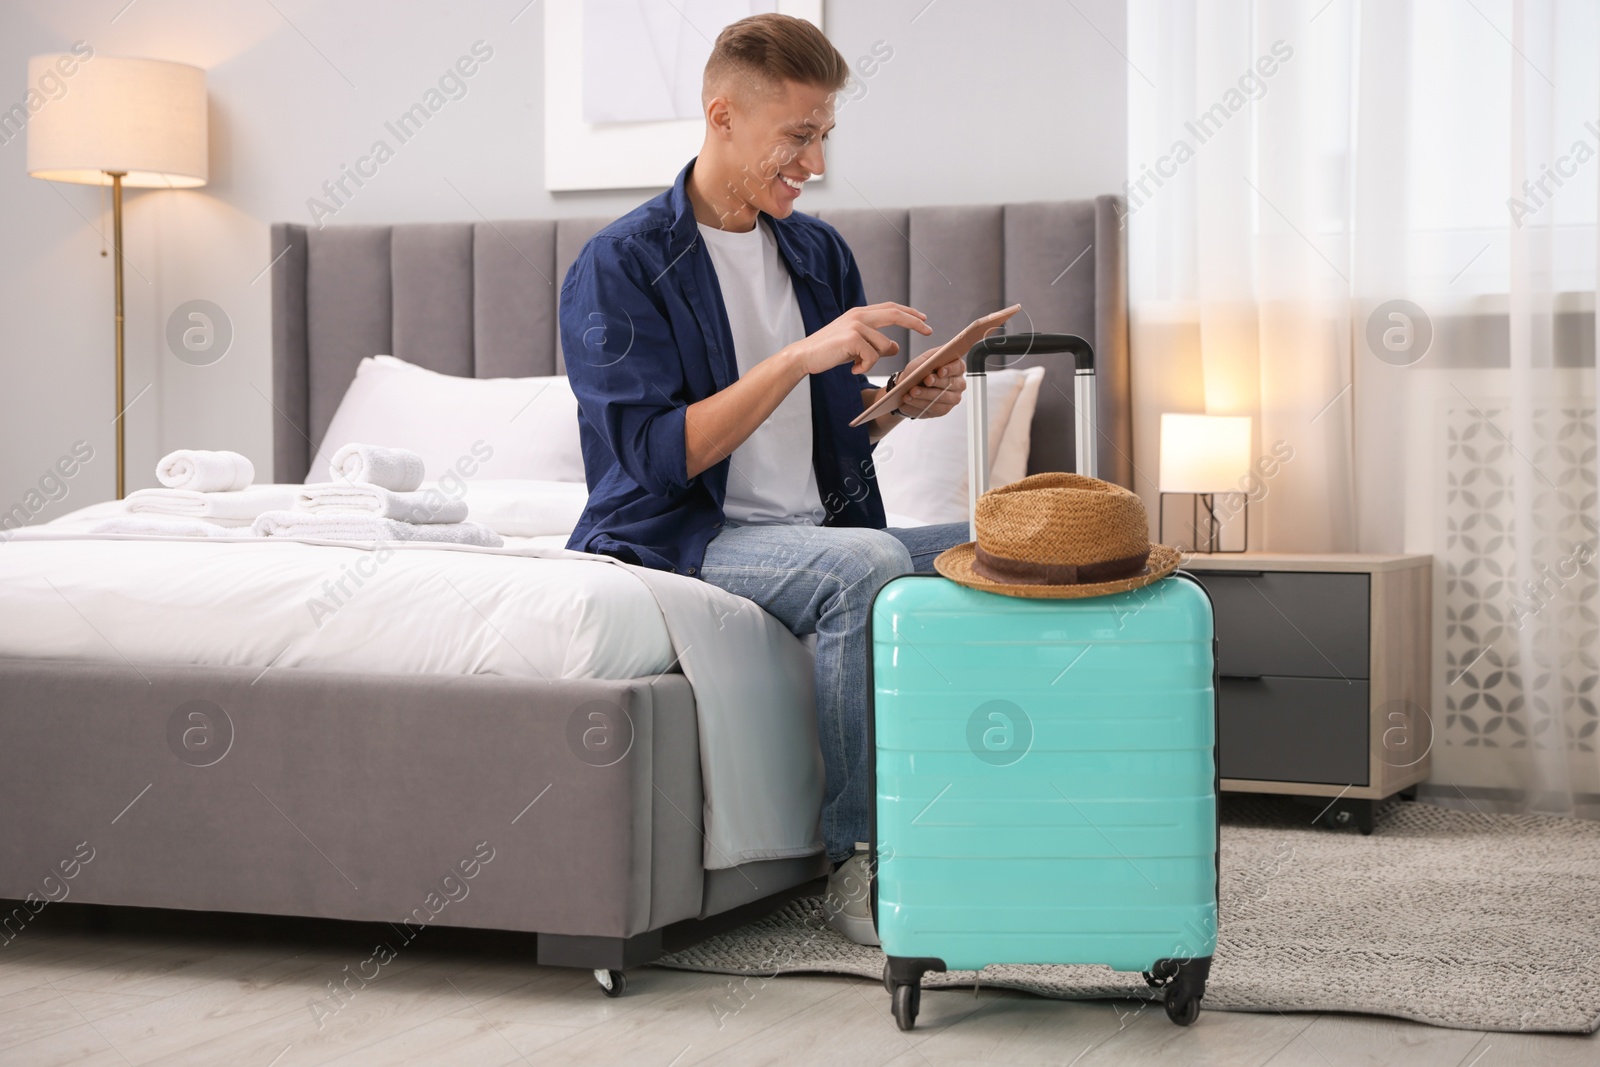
1016	345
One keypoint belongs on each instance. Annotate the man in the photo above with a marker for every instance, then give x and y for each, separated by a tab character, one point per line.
718	343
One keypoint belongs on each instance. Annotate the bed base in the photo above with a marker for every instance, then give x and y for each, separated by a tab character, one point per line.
414	800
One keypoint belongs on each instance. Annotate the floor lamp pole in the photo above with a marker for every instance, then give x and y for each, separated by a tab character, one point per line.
116	246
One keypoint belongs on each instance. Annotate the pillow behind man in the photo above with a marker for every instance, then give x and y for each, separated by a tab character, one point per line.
922	467
494	428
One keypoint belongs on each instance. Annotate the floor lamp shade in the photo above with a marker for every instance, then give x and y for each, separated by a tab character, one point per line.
142	118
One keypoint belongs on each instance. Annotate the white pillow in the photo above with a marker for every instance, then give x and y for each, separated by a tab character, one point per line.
514	428
922	465
518	508
1010	463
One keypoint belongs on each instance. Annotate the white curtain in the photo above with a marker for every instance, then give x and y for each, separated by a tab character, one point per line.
1371	226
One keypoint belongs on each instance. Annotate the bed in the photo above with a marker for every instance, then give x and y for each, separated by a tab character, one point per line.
449	793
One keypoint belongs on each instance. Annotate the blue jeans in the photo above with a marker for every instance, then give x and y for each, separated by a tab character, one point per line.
819	579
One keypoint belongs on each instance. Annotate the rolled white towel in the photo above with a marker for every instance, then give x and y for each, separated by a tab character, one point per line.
420	506
238	507
348	526
396	469
205	472
165	526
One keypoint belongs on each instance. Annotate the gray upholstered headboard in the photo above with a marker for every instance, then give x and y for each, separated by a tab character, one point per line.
478	299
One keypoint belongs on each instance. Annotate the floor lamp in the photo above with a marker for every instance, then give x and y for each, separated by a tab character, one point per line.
127	123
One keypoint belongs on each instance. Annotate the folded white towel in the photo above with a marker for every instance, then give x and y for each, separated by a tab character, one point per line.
205	472
346	526
165	526
397	469
238	507
420	506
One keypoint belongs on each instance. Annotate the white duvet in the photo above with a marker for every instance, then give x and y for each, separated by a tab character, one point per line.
529	609
259	602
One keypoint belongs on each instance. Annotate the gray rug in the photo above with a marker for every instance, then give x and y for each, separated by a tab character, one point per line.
1478	922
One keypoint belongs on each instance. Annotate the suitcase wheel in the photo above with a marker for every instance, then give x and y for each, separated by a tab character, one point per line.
907	1000
1182	1009
902	977
1185	983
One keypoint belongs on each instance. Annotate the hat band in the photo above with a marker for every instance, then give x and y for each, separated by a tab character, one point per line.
1023	572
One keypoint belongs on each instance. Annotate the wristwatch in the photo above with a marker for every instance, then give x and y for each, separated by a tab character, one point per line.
888	385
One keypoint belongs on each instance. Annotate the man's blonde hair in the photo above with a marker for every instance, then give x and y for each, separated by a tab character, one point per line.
764	51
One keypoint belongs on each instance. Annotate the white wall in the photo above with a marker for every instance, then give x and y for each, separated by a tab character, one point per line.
294	96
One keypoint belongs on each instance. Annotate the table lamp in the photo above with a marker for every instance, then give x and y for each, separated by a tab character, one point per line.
1205	456
139	123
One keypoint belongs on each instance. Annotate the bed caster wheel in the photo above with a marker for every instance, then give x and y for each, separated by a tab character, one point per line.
612	983
1182	1010
907	1001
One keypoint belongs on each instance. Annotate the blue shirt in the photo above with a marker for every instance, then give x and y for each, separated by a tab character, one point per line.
645	334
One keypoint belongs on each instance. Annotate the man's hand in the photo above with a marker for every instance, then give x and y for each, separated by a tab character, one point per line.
715	426
855	338
937	393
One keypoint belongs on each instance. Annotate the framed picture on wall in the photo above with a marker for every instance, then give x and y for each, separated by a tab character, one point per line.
622	85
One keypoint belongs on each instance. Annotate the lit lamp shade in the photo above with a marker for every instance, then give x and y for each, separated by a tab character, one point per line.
1204	453
145	117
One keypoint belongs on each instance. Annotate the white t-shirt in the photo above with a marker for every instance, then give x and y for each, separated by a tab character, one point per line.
770	479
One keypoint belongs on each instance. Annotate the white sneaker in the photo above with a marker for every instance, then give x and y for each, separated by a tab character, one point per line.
848	903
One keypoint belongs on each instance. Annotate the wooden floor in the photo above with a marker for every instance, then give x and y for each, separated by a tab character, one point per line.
78	988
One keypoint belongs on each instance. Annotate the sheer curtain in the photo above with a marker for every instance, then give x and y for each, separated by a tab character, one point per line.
1371	226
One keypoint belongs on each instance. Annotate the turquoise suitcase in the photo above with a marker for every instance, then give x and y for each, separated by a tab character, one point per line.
1044	771
1045	782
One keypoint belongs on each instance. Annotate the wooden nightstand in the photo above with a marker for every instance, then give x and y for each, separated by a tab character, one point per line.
1325	667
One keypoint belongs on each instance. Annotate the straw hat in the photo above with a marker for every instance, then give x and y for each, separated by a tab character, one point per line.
1059	535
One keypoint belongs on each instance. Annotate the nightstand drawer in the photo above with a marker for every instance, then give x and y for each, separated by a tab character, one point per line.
1290	623
1294	730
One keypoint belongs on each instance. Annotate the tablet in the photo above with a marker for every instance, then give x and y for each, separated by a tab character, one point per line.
934	358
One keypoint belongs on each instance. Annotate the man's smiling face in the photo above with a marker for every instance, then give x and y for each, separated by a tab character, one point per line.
774	141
